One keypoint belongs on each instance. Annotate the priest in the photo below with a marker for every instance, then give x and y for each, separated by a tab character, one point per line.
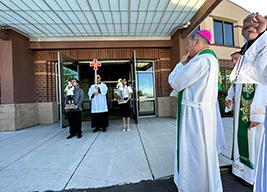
253	69
248	101
99	109
195	77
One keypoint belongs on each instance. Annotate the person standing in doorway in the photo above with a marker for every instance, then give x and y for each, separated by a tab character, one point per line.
125	107
99	110
75	115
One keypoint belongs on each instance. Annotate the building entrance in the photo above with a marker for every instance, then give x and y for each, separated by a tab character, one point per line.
110	72
140	76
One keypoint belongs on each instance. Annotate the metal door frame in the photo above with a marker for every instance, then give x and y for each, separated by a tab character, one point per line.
135	89
60	89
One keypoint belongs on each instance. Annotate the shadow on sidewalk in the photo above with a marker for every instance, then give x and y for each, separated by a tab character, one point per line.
230	184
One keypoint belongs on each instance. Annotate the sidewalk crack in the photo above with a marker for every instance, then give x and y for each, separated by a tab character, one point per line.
80	161
149	166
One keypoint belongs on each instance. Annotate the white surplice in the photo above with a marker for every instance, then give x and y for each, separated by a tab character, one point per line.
199	165
220	143
254	70
99	101
257	112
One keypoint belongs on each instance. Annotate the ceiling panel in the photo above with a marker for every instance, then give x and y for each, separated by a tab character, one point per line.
90	16
52	4
74	18
64	16
49	17
124	5
144	5
118	28
66	29
104	5
134	16
41	4
135	5
153	5
166	17
99	17
74	5
145	29
83	5
75	29
124	17
63	5
111	28
124	29
142	17
115	5
94	5
157	16
139	28
96	29
108	17
116	17
149	17
81	16
162	5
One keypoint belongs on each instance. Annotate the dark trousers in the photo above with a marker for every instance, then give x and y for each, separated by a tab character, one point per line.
75	121
99	120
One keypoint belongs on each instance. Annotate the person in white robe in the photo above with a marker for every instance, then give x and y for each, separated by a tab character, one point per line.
99	110
254	70
220	143
248	101
196	161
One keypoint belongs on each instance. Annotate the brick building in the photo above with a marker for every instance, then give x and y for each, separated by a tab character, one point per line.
34	66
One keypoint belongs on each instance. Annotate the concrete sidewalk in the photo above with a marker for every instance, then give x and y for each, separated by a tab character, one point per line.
41	158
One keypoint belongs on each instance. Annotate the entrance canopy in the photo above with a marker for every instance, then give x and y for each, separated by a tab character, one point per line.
39	19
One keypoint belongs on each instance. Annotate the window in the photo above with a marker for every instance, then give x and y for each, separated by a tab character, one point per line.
223	33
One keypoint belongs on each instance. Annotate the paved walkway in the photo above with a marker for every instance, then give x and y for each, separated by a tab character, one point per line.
41	158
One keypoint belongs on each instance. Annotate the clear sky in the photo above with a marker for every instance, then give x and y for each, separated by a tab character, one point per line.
253	5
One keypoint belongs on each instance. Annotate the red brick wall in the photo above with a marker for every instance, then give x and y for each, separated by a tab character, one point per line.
162	71
45	82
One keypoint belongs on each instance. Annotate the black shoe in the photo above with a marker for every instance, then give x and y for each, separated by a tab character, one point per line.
70	136
79	136
104	129
95	130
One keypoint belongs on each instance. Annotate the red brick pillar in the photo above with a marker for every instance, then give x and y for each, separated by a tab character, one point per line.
16	70
177	49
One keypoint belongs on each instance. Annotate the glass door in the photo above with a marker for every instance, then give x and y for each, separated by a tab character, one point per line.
146	88
67	69
133	82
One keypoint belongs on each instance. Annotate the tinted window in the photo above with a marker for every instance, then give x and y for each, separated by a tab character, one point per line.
228	31
218	32
223	33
